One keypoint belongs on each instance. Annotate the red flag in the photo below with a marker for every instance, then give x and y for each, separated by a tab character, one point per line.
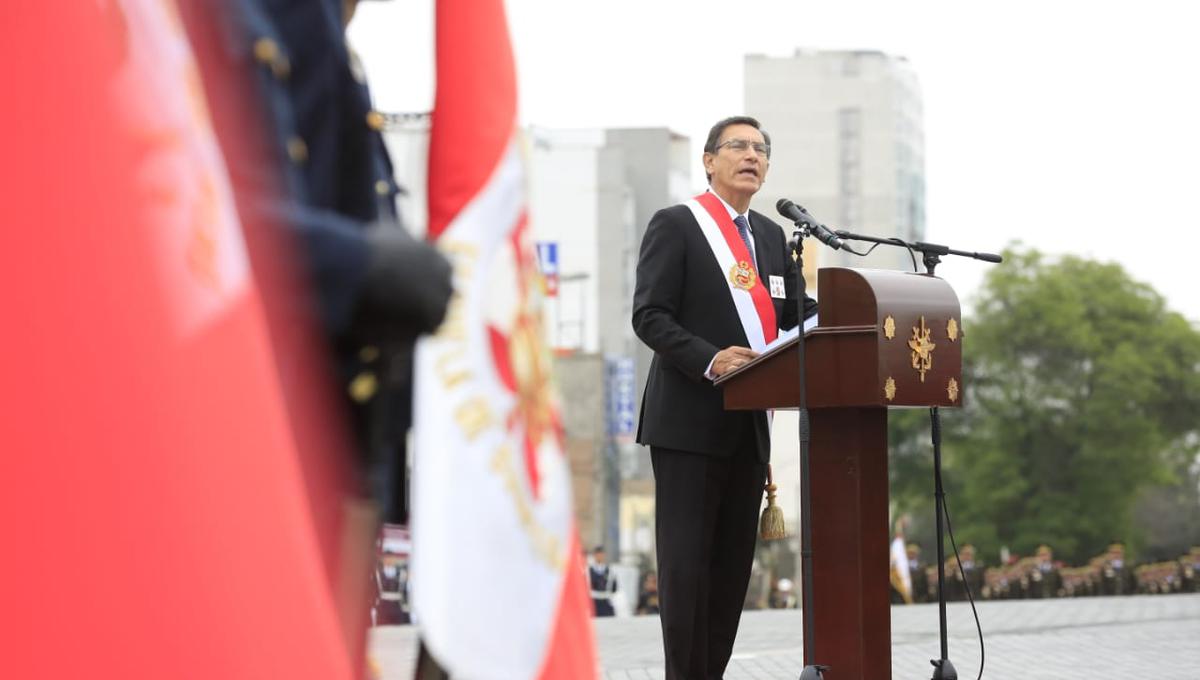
151	501
497	576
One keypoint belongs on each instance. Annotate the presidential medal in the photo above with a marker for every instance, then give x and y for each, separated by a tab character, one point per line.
741	275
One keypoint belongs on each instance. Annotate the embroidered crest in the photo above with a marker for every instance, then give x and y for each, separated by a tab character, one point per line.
742	275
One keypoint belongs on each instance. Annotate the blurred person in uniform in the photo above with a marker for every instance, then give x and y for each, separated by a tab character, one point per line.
302	147
783	595
699	263
1095	575
603	583
392	413
648	597
916	573
317	168
1191	570
1116	578
969	577
900	580
995	583
391	581
1045	580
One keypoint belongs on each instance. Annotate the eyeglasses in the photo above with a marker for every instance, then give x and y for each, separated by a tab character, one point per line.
742	144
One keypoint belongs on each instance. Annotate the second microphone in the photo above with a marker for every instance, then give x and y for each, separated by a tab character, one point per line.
800	216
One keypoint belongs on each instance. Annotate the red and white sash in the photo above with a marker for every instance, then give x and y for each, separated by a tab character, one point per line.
750	296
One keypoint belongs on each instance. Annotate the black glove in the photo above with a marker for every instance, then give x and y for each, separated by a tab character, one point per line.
406	289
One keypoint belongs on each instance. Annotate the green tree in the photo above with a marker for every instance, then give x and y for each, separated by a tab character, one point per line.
1082	391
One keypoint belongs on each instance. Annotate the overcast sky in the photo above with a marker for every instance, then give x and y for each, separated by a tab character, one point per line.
1072	126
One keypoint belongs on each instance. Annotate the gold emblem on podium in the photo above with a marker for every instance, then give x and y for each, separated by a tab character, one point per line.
922	349
952	390
742	275
889	389
952	329
889	327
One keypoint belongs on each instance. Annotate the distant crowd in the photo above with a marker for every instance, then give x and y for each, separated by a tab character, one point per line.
1035	577
1041	576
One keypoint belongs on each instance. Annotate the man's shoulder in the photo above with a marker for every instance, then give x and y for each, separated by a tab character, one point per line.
759	219
671	218
680	212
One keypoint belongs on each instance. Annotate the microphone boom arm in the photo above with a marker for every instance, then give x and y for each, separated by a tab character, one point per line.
931	252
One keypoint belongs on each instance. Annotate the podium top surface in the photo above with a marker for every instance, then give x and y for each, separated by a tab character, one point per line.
885	338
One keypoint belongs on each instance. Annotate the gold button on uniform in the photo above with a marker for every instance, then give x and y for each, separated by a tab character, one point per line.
375	121
297	150
267	53
368	353
383	188
363	387
266	50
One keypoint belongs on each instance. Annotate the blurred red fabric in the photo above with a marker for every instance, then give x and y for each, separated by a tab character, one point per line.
152	505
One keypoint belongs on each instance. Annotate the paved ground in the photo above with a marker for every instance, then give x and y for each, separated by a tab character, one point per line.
1105	638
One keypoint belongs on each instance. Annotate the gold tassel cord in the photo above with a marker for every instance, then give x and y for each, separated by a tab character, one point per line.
770	526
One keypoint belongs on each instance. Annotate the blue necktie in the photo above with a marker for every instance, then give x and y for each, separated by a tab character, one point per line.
744	231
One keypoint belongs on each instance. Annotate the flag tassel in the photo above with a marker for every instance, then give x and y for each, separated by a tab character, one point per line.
770	526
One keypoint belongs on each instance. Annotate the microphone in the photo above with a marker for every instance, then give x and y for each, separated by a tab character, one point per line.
800	216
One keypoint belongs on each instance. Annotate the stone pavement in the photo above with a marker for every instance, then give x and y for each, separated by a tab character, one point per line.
1155	636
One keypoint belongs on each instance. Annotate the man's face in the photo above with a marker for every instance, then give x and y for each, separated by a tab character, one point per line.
737	172
599	557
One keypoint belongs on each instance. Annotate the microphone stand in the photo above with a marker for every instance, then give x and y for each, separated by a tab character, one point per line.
931	252
931	256
812	671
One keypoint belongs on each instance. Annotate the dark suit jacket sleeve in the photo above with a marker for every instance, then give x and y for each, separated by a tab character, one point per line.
658	294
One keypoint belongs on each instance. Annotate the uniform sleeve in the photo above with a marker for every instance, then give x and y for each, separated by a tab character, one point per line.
335	254
658	297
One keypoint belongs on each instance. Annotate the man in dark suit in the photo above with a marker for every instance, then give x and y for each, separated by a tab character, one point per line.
715	283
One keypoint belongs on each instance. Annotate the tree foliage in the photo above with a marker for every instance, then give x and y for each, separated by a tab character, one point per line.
1082	392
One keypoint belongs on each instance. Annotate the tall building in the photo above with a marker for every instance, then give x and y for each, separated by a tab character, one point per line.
592	193
848	144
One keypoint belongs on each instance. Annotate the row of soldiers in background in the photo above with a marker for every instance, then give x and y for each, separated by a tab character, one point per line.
1040	576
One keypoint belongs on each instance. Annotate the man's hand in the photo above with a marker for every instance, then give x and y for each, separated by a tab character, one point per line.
732	358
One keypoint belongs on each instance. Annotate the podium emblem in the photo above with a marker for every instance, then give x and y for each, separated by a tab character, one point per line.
889	327
922	348
889	389
952	329
742	275
952	390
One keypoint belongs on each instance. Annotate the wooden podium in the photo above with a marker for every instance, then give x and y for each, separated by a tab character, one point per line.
884	339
